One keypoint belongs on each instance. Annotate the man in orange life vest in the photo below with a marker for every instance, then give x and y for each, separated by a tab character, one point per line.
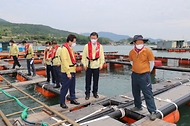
142	61
93	60
29	58
68	69
56	63
47	63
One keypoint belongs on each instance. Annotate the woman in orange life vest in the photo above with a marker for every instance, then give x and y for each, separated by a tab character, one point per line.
29	58
48	64
93	60
68	70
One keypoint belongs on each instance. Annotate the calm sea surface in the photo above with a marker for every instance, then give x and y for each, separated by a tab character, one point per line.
113	82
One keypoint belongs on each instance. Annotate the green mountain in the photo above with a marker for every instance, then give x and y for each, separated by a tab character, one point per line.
110	35
37	32
30	29
2	20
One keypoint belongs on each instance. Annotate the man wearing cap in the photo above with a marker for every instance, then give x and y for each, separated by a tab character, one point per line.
14	53
142	61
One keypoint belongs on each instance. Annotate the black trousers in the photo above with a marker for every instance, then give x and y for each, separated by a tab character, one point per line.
32	65
57	74
89	74
49	69
15	62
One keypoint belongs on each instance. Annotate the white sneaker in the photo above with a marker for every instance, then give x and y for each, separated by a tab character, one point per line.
52	84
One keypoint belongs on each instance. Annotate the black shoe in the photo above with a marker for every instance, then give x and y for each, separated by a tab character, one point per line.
56	86
74	102
28	74
33	75
95	95
87	97
63	106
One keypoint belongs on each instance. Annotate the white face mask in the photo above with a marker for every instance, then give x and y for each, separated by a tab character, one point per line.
140	46
73	44
10	44
47	47
93	40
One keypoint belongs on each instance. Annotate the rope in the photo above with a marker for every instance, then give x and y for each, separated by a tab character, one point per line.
167	100
24	114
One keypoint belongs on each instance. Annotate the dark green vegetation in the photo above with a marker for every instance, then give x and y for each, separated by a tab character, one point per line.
41	33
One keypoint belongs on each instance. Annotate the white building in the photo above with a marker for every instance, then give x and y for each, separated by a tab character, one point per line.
172	44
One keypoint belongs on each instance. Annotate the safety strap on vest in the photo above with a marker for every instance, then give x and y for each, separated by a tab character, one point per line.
91	60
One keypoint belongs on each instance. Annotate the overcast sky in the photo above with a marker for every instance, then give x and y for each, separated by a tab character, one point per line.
166	19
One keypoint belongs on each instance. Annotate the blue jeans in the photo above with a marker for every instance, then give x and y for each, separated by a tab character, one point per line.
67	84
143	82
32	65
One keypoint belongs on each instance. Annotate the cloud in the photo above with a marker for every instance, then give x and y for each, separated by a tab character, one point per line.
158	19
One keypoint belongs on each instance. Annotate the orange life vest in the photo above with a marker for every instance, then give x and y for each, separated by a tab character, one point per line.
26	48
53	52
90	51
73	59
47	53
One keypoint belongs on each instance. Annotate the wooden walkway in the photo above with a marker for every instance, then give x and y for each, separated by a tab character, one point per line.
82	102
147	122
30	82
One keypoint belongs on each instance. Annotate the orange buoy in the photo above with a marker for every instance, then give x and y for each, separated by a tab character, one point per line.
173	117
77	108
10	61
45	92
105	65
188	104
2	68
20	78
128	120
78	68
184	61
1	79
111	57
118	65
41	72
37	61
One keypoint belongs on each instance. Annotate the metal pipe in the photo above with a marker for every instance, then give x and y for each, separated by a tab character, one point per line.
7	122
46	106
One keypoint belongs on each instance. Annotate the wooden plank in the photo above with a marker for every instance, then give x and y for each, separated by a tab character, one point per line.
8	71
38	80
2	123
82	102
147	122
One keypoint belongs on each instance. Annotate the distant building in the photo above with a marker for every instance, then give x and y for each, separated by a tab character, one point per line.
172	44
4	46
